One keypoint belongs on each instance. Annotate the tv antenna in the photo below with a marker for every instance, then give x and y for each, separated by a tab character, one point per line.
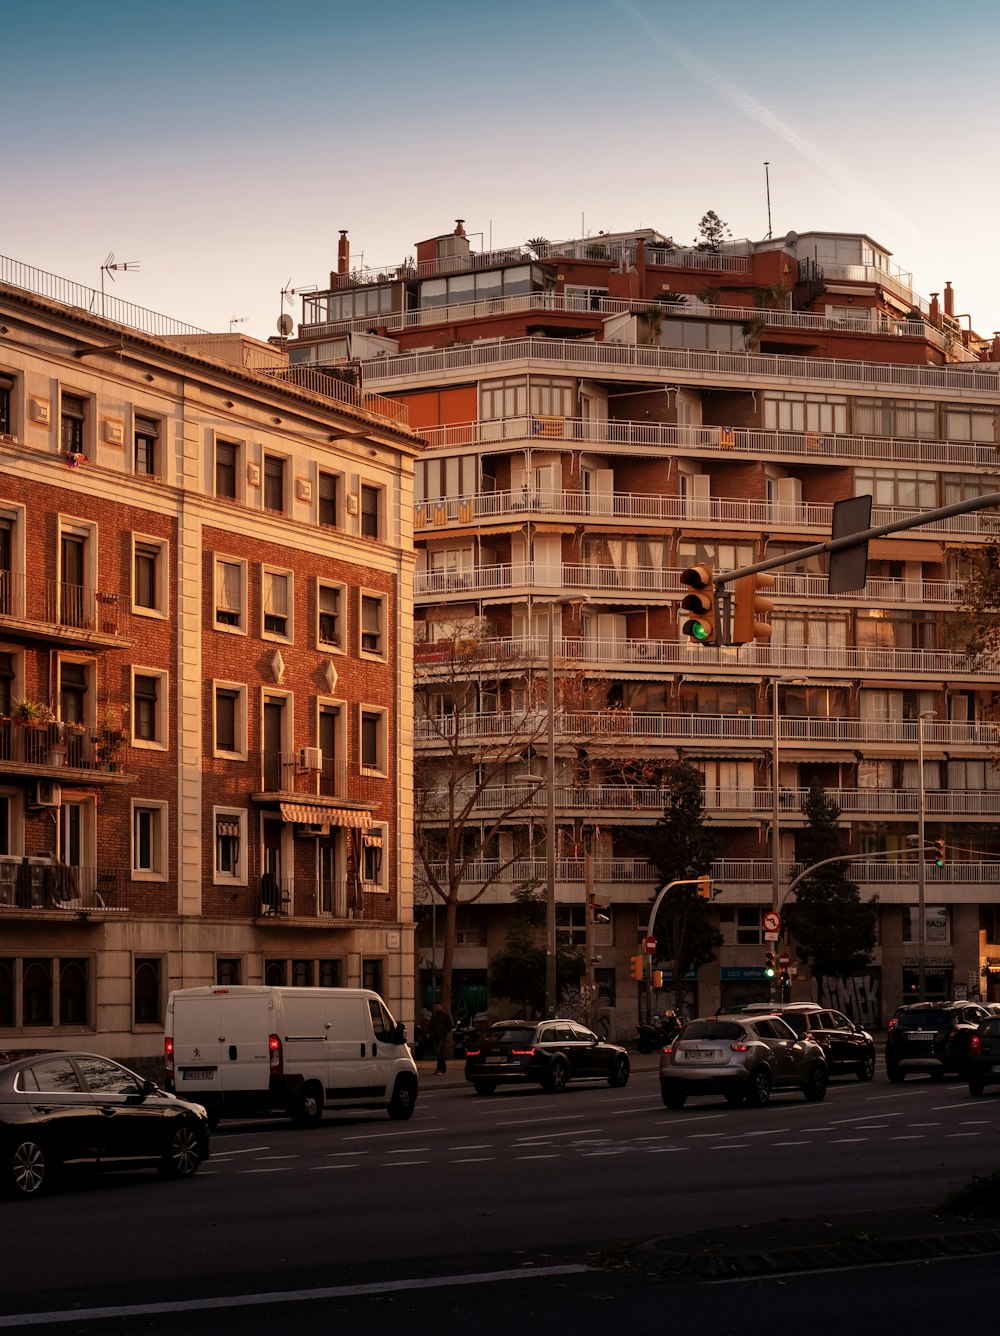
767	186
235	320
288	294
110	267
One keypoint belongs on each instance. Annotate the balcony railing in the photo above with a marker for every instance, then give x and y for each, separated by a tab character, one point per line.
37	883
815	660
64	609
750	441
685	729
645	362
67	747
321	899
664	580
329	386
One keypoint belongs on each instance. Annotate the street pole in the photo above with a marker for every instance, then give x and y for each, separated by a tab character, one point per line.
922	865
550	840
775	820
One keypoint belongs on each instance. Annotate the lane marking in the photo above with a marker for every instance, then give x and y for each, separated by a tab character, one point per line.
474	1159
847	1141
17	1320
250	1150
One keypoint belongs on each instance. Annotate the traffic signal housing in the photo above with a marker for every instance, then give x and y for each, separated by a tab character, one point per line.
750	608
704	884
700	605
769	965
940	852
636	968
657	978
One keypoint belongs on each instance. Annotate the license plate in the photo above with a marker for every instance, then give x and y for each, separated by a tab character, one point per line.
198	1073
500	1060
699	1054
995	1067
920	1034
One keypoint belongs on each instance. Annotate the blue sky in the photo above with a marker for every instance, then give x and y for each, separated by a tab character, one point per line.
223	145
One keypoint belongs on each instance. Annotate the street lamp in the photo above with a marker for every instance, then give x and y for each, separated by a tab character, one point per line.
921	863
550	808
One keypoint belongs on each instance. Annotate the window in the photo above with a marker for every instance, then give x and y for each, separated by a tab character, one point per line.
227	455
73	685
36	992
145	436
230	719
329	732
329	499
228	970
8	675
965	422
303	974
274	483
73	418
325	973
74	990
230	594
330	604
75	575
276	592
504	399
149	829
552	398
823	414
149	576
230	844
905	419
897	487
6	405
749	931
370	497
373	624
147	991
372	861
373	974
372	741
149	704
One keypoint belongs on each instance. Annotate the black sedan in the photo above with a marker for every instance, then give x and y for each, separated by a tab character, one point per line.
549	1054
61	1108
982	1058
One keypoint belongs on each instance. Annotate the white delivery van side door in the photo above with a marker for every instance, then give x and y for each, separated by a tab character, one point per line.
384	1053
346	1048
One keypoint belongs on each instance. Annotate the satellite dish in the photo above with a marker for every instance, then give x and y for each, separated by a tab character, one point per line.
285	325
792	240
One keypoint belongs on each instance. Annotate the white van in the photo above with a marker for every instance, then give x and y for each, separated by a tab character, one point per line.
248	1050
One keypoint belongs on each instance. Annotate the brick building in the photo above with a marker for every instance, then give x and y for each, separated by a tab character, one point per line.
205	671
606	411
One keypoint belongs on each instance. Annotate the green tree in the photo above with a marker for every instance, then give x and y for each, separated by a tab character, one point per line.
712	231
679	846
518	971
977	634
834	929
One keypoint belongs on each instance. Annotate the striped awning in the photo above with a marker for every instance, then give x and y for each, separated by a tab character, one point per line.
307	815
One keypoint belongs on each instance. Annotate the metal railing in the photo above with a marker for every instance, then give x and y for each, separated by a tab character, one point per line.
64	607
37	883
70	747
328	385
319	897
589	358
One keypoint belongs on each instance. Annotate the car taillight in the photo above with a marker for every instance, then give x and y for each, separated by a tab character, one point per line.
168	1055
472	1052
740	1048
522	1052
975	1045
893	1023
274	1052
667	1049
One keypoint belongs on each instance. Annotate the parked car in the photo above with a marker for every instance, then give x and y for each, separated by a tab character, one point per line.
547	1053
744	1058
60	1108
931	1037
982	1059
847	1046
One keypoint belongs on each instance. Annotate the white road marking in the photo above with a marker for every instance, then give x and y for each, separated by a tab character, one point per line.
847	1141
474	1159
792	1143
539	1157
250	1150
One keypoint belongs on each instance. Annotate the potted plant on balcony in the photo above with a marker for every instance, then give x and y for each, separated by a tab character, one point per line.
31	713
111	734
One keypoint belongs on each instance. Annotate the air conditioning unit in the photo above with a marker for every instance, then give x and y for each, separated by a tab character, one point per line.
644	649
310	758
47	793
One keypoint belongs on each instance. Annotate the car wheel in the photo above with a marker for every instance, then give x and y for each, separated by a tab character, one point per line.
895	1075
815	1086
620	1071
309	1109
404	1099
673	1099
976	1086
183	1154
485	1087
557	1076
28	1169
759	1088
866	1067
734	1098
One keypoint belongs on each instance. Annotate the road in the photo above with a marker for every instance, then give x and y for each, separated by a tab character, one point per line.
518	1183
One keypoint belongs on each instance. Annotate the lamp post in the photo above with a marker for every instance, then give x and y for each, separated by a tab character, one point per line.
550	810
921	864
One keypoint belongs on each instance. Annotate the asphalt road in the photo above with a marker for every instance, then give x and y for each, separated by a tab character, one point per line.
529	1188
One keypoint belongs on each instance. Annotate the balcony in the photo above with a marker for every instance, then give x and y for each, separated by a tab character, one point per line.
752	442
63	752
43	887
318	902
295	774
705	729
758	660
33	605
641	362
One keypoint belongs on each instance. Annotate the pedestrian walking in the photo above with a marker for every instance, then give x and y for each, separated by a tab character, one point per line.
440	1027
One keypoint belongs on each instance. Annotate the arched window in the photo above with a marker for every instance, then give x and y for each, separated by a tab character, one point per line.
37	992
73	998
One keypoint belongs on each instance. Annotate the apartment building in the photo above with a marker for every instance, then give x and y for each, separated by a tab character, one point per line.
205	671
601	414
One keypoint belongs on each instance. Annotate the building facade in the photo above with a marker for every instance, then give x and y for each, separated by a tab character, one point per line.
205	672
605	412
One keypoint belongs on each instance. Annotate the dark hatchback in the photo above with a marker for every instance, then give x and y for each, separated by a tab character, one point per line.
982	1060
549	1054
847	1046
931	1037
59	1108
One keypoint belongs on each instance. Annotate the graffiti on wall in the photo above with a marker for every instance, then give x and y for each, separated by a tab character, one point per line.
858	997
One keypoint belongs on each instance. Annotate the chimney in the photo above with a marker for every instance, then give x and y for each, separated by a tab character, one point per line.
935	311
459	227
949	299
995	347
343	252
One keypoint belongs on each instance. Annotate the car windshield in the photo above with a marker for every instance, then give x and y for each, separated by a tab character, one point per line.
712	1030
924	1020
512	1034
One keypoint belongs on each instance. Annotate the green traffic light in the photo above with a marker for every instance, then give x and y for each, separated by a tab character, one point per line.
768	971
696	630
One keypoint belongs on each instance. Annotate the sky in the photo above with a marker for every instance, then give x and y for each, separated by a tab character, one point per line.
222	146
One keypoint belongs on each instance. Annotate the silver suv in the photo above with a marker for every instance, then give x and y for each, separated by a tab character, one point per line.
742	1058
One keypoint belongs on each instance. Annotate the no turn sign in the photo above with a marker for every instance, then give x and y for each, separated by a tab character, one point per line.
772	921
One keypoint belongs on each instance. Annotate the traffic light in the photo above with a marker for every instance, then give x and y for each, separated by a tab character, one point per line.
940	852
785	982
769	965
704	885
637	967
700	604
749	609
657	978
